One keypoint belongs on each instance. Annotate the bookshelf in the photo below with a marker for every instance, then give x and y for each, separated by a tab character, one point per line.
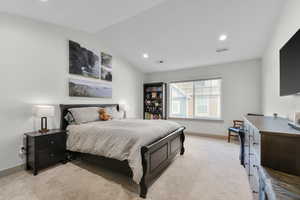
155	101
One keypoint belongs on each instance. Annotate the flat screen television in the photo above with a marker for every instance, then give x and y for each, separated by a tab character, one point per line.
290	66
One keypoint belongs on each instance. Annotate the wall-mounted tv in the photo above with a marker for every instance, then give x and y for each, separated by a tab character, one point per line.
290	66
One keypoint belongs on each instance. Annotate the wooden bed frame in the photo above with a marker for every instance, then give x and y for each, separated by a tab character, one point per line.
155	156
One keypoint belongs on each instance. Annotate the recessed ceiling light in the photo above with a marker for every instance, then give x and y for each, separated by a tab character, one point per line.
223	37
43	0
145	55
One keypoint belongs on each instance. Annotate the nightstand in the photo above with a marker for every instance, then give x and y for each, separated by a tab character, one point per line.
45	149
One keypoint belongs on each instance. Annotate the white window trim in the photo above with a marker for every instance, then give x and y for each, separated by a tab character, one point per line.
217	119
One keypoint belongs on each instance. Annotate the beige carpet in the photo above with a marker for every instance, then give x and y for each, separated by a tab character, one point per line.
209	170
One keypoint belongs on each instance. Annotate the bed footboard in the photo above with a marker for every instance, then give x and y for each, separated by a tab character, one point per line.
158	155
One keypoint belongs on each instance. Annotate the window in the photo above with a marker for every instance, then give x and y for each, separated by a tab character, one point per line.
176	107
195	99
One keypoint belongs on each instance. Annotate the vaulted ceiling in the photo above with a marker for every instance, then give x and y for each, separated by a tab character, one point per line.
86	15
182	33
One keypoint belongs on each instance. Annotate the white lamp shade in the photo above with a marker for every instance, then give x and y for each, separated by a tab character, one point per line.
44	111
123	107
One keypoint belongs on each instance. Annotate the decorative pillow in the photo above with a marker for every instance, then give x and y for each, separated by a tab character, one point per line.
70	119
118	114
85	114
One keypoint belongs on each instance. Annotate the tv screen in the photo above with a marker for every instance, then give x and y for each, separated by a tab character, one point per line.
290	66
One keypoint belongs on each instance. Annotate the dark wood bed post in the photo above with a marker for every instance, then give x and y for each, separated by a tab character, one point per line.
143	184
172	144
182	139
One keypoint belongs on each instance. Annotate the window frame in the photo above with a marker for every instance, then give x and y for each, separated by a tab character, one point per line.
220	118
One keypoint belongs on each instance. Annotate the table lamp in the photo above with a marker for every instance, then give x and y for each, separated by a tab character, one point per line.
44	111
123	107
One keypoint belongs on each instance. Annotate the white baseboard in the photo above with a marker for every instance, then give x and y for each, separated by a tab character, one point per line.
12	170
217	136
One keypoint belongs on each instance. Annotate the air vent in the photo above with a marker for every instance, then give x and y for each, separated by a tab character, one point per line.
222	50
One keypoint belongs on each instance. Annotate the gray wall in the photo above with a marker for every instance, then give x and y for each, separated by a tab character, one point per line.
241	92
34	70
288	25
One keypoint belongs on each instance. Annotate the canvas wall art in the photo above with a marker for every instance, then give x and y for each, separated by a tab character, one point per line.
84	88
83	62
106	67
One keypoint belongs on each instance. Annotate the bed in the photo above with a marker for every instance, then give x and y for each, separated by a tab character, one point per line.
154	151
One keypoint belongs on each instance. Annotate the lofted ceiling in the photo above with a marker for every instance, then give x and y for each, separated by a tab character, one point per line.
182	33
86	15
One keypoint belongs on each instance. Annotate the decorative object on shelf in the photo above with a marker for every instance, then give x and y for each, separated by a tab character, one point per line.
106	67
44	111
83	62
155	101
84	88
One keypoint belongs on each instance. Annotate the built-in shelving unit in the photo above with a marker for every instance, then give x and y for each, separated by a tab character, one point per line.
155	101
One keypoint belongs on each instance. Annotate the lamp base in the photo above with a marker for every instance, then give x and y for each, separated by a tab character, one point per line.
44	128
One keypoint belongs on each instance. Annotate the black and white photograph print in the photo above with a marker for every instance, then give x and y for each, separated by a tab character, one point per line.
83	62
84	88
106	67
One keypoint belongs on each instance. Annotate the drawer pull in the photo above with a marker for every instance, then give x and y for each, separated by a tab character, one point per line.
255	143
51	142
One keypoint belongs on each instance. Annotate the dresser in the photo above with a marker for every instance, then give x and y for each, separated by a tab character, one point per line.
271	147
45	149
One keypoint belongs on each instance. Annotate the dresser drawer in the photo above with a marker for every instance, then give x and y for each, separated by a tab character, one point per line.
254	178
52	142
49	157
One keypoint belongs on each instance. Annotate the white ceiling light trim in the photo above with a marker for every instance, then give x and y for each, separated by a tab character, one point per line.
223	37
145	55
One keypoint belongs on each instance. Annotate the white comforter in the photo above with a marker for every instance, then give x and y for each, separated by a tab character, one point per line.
118	139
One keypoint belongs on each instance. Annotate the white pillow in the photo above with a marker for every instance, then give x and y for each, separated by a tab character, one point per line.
117	114
85	114
110	109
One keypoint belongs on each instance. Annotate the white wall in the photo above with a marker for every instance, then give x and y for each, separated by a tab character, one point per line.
288	25
34	70
241	92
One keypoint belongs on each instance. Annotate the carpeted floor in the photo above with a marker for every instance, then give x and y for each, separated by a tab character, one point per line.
209	170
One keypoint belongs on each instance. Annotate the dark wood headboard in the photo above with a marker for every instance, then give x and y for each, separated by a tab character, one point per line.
64	110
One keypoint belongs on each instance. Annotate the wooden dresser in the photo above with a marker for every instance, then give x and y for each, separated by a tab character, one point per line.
271	154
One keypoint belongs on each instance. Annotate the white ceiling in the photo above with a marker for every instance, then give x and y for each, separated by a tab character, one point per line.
183	33
86	15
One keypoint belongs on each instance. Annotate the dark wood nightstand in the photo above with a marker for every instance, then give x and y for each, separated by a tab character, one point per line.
45	149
